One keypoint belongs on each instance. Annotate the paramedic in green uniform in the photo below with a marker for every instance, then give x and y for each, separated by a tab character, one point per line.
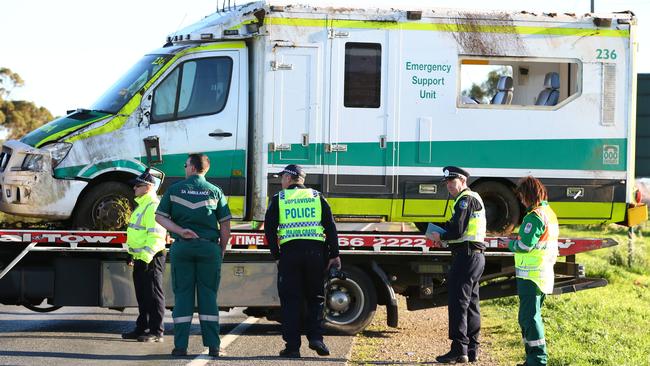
536	251
196	214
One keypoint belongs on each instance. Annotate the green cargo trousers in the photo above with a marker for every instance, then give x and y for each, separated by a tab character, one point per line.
196	268
530	321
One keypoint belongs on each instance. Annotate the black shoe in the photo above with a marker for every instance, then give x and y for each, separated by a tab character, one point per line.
151	338
472	356
320	348
290	353
522	364
179	352
213	351
132	335
451	357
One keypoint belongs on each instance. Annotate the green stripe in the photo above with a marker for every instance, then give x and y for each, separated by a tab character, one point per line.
569	154
59	128
443	27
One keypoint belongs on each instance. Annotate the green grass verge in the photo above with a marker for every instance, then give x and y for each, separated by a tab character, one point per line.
604	326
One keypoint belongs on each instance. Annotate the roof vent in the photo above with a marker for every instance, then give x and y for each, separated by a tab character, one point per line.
414	15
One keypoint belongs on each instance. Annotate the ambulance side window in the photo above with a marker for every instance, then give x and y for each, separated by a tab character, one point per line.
195	88
362	83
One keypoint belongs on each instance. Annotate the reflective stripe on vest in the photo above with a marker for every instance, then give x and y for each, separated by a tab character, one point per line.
475	230
537	265
144	236
300	215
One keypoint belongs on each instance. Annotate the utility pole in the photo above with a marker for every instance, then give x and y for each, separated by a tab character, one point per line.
592	5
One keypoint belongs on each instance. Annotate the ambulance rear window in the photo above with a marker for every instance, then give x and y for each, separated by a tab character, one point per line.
362	85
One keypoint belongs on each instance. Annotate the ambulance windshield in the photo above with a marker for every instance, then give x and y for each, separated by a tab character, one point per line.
121	92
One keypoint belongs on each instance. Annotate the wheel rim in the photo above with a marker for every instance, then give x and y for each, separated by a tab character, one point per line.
344	302
111	212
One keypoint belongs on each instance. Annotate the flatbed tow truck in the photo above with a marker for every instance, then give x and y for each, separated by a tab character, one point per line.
44	270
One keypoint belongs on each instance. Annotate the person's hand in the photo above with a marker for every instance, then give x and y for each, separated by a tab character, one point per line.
435	237
334	262
188	234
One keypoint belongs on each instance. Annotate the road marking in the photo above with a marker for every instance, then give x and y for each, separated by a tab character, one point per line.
226	340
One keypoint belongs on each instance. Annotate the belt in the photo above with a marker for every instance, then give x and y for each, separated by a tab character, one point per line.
465	247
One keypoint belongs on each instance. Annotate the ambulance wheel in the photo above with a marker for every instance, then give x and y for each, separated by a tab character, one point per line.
106	206
502	208
42	308
350	304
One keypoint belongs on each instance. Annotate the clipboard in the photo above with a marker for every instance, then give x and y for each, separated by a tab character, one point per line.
431	228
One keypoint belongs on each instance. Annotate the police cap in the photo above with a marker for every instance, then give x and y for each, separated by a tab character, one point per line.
452	172
144	178
293	170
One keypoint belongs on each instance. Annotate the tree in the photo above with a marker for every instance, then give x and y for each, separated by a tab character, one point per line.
18	117
483	93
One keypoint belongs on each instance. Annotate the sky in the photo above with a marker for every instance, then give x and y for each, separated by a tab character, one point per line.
69	52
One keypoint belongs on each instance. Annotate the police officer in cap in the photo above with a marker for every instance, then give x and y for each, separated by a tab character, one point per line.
301	233
146	244
465	232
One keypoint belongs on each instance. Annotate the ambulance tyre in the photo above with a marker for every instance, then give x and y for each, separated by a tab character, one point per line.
502	208
350	304
106	206
42	309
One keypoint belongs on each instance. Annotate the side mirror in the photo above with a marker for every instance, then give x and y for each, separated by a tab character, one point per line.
158	176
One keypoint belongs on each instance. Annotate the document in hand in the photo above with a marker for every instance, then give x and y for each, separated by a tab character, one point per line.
433	227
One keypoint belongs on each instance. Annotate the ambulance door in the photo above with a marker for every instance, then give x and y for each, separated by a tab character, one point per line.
195	108
359	152
297	123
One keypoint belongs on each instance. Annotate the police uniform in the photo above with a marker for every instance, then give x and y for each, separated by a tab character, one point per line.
196	204
536	251
145	240
465	235
301	233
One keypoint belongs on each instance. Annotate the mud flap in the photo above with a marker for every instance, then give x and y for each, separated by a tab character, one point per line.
392	316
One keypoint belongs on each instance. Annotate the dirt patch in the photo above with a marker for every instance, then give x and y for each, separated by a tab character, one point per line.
420	337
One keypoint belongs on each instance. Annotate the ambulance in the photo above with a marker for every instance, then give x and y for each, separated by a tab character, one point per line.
371	102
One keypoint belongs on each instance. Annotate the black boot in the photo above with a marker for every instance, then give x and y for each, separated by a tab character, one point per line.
320	348
452	357
290	353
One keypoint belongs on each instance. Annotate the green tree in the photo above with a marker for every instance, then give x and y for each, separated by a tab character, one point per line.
18	117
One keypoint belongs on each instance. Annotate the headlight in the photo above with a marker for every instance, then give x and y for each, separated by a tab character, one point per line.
32	162
58	150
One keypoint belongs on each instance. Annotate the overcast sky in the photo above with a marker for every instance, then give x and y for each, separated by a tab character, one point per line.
70	51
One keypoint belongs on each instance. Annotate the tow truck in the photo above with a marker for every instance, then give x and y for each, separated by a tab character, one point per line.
44	270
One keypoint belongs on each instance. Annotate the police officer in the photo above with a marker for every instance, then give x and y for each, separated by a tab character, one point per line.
536	251
301	233
197	215
146	244
465	232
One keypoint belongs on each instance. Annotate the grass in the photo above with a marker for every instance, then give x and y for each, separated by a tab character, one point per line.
604	326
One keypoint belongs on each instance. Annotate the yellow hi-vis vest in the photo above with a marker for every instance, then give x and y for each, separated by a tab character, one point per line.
475	230
300	215
537	265
144	236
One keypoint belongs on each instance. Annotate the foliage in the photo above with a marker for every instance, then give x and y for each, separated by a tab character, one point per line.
18	116
484	92
603	326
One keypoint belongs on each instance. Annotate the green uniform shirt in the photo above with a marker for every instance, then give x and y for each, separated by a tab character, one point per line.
531	229
196	204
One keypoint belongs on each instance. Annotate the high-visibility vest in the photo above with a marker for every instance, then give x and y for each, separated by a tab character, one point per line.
475	230
144	236
300	215
537	265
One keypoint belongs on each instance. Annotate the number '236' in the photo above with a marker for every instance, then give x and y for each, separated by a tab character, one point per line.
606	54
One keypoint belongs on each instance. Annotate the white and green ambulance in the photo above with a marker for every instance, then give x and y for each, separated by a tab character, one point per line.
371	102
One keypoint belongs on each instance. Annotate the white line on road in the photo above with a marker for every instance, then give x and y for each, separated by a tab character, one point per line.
226	340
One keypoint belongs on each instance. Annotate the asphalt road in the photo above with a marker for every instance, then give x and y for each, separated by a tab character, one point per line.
91	336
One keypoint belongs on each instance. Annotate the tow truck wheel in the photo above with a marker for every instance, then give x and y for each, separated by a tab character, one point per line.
350	304
502	208
106	206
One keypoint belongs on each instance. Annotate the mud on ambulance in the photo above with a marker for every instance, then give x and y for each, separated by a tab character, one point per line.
372	102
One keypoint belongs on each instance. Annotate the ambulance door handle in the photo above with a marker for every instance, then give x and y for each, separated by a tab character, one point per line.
220	134
305	139
383	142
335	148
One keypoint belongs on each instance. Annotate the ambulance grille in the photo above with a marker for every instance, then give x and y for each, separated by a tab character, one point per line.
609	95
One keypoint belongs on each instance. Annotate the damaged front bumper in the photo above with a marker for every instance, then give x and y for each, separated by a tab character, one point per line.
28	187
